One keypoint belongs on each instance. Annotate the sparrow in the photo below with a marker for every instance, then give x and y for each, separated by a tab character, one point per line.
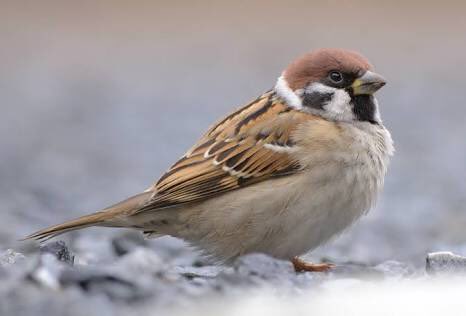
281	175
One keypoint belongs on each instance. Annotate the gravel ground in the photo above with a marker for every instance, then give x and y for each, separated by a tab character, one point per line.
136	277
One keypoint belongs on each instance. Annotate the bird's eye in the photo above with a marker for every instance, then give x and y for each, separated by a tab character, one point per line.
336	76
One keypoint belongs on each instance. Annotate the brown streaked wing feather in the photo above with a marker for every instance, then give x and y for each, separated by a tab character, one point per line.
232	154
228	124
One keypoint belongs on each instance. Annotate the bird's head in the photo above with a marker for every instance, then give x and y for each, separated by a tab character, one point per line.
336	84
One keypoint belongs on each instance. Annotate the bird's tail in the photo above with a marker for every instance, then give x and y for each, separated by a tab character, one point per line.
113	216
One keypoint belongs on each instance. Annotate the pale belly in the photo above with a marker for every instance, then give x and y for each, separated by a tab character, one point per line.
283	218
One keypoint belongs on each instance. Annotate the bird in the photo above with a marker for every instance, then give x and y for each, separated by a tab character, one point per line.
281	175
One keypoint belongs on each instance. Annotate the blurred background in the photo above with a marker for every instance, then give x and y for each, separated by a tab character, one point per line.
98	98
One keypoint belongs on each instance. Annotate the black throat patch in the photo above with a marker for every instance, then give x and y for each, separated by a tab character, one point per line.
317	100
364	108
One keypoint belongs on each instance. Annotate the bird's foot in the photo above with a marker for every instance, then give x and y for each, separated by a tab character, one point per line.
301	265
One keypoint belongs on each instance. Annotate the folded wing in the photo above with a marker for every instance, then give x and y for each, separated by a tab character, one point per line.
250	145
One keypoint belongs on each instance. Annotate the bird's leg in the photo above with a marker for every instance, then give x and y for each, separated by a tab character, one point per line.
301	265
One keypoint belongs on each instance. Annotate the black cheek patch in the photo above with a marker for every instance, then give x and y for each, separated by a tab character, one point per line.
364	108
317	100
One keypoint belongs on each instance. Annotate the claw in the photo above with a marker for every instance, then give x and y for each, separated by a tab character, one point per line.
301	265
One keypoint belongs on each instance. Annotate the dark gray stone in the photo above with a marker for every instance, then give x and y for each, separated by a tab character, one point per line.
59	250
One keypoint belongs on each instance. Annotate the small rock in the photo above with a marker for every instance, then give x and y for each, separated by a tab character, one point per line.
445	262
59	250
10	257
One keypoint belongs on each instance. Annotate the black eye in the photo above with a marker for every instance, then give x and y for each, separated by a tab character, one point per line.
336	76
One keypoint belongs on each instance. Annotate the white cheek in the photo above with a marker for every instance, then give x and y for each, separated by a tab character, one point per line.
339	107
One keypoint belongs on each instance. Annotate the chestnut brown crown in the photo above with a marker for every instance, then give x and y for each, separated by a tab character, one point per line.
317	64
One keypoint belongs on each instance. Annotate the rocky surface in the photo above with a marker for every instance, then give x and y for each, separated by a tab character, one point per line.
164	277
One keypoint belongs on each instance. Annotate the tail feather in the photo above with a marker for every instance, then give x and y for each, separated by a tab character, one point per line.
79	223
109	217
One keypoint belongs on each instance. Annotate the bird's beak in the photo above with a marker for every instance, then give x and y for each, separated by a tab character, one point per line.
368	83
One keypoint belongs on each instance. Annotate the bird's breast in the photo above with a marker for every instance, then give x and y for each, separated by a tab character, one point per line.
340	184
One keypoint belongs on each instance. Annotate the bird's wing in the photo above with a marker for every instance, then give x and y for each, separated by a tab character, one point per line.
248	146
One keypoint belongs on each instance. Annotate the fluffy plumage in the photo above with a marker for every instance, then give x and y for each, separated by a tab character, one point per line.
281	175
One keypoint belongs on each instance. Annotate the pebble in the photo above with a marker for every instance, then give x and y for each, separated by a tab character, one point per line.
445	263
